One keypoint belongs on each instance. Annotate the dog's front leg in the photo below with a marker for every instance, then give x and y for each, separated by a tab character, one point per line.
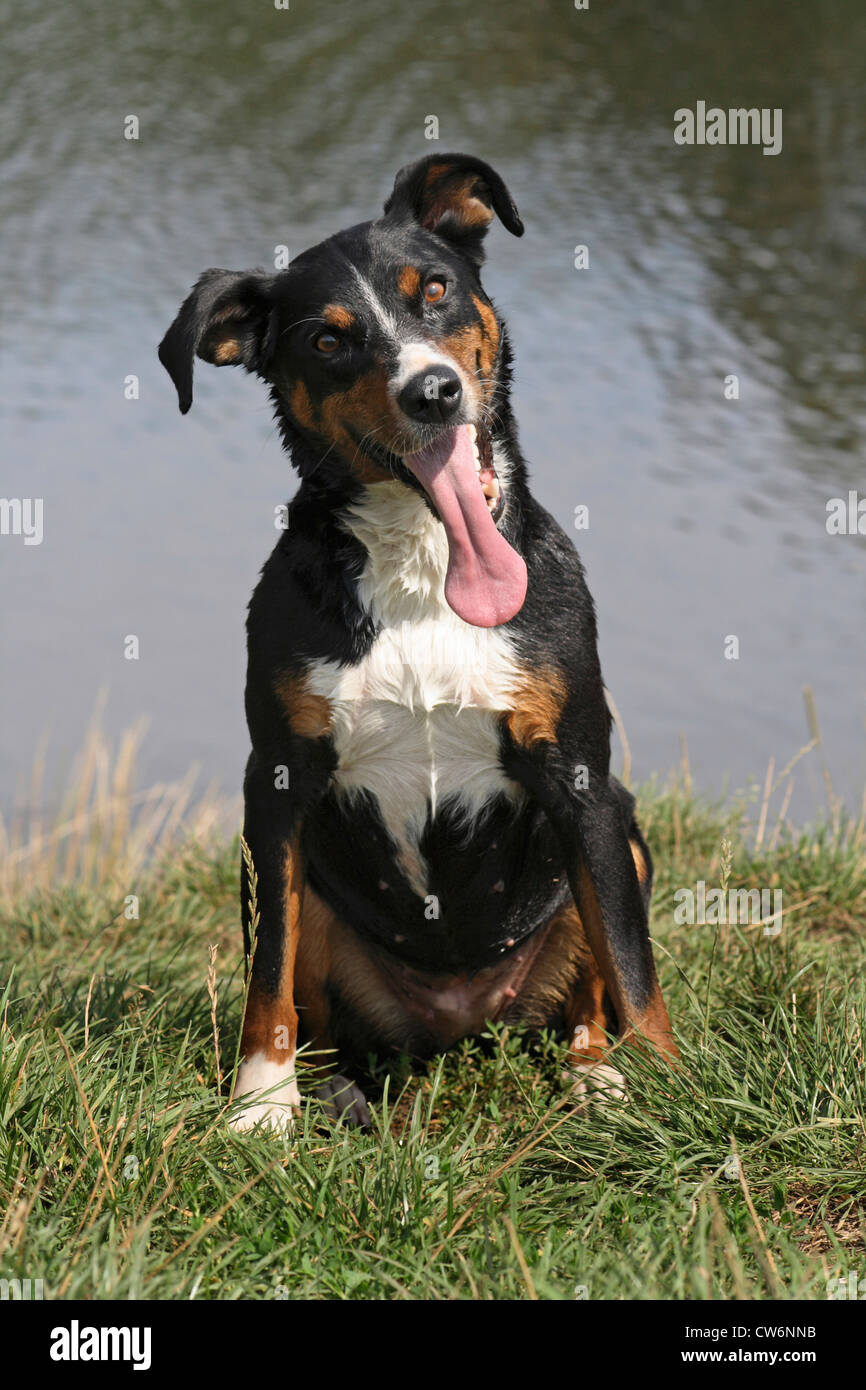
590	813
604	882
266	1078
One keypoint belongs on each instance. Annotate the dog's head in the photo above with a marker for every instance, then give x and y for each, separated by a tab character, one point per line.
384	357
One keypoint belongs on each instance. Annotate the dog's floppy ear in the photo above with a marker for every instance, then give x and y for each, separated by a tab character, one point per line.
227	319
455	196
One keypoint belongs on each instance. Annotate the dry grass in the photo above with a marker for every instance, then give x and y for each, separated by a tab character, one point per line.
96	829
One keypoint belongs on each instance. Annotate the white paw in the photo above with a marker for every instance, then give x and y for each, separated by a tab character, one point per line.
278	1118
596	1081
266	1094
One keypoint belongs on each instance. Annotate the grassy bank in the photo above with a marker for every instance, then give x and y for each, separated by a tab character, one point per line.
741	1175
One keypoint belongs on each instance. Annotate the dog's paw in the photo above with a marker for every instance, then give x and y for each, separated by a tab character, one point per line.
266	1096
343	1102
277	1118
595	1081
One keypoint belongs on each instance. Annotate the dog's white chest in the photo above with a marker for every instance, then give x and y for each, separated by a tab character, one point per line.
416	723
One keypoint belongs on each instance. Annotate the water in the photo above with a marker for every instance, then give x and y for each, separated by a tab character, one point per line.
260	127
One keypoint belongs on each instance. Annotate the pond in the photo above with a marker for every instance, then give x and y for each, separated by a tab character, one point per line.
693	380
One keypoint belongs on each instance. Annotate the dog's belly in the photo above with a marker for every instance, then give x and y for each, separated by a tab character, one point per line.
468	883
385	1005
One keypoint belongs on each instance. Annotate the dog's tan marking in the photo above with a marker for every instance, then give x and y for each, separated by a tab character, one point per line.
266	1080
549	984
365	411
434	173
409	281
309	715
338	316
475	348
639	861
366	406
312	971
652	1020
331	953
490	335
488	318
589	1017
226	352
301	406
538	704
454	191
466	346
270	1026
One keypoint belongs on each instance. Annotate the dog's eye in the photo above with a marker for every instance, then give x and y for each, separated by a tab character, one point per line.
326	342
434	290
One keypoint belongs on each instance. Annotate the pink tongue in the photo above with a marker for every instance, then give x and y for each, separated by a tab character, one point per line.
486	579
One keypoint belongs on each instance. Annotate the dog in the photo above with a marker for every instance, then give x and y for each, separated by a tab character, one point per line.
435	841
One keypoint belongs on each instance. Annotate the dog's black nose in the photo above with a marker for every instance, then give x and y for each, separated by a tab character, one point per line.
431	396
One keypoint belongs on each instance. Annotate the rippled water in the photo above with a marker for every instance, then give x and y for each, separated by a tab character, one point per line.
260	127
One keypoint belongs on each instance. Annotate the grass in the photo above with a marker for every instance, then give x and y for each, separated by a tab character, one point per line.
739	1175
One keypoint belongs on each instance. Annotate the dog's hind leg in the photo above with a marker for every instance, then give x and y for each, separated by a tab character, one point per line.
342	1099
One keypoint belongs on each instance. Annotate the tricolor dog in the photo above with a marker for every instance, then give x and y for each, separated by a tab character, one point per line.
437	838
